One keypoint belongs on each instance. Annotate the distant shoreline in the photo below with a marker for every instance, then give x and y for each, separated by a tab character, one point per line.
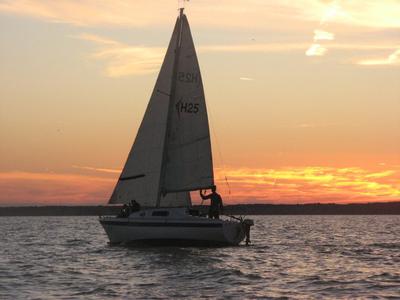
386	208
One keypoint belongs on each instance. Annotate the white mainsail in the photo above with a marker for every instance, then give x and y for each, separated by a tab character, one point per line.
171	154
188	164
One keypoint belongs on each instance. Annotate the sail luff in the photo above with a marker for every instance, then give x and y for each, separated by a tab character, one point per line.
170	103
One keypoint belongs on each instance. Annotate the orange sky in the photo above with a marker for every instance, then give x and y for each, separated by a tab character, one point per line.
303	96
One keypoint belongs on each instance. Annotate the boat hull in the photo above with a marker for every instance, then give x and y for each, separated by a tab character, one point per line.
184	230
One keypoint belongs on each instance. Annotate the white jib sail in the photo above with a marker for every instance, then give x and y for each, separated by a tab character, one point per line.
140	178
188	159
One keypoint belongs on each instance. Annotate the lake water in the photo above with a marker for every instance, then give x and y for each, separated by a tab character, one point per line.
296	257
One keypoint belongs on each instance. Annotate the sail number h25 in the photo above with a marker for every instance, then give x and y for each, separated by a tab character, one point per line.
187	107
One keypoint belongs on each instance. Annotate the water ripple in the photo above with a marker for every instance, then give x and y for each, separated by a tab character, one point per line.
292	257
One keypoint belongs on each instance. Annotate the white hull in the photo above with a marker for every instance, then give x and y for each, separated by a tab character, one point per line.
176	227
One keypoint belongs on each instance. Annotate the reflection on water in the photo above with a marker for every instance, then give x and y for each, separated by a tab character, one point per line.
292	256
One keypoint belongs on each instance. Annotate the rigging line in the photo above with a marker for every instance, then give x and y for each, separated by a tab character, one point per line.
214	133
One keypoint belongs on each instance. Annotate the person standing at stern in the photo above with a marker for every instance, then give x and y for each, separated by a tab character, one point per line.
216	205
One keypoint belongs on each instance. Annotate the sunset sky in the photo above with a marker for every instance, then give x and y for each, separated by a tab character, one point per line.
303	96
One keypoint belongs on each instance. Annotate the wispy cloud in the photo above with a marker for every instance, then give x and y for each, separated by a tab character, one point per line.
357	14
100	40
392	59
306	125
251	13
97	169
90	13
291	47
372	13
323	35
316	50
121	59
331	12
246	79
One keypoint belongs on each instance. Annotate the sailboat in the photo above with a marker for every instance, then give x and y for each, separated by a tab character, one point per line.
171	157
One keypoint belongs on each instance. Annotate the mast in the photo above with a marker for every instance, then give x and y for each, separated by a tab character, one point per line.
171	97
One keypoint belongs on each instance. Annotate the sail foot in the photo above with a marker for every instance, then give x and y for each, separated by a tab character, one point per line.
191	189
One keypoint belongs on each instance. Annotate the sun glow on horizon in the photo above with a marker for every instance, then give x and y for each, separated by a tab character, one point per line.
285	185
